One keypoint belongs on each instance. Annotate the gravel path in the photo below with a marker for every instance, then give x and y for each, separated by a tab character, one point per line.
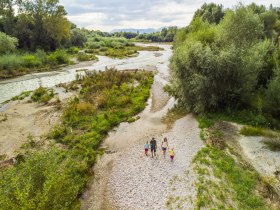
140	182
126	179
136	182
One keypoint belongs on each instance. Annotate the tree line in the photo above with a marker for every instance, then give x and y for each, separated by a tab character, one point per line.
228	60
36	24
165	35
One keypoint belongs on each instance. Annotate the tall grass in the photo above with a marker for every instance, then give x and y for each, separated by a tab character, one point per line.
17	64
224	183
11	61
254	131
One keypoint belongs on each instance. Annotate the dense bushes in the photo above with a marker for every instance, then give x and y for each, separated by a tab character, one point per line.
114	47
227	66
55	177
58	57
86	57
17	64
42	95
7	44
45	180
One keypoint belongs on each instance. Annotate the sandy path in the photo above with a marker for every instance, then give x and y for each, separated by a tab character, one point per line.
139	182
126	179
129	180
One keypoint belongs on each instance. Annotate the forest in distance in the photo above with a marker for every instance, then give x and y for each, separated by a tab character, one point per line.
39	37
222	73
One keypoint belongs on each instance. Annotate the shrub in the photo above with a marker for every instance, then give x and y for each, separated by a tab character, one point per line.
58	57
103	49
42	56
234	184
86	57
54	179
253	131
42	95
7	43
273	144
85	108
11	62
45	180
73	50
31	61
205	122
90	51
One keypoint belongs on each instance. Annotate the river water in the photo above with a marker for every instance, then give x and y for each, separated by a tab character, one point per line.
145	60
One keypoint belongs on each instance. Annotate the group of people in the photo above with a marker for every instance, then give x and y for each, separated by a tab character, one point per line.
164	147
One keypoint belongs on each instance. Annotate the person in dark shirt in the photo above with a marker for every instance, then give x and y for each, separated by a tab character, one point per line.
153	144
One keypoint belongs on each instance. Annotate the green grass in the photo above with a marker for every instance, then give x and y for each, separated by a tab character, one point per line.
254	131
115	47
224	183
204	122
22	96
246	117
42	95
273	144
86	57
17	64
54	178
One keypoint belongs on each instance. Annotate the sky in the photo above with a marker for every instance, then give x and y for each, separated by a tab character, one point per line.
106	15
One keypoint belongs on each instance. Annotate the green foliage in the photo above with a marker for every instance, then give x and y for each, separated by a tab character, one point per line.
42	95
229	66
18	64
204	122
165	35
22	96
254	131
234	185
78	37
31	61
58	57
73	50
273	144
86	57
55	177
272	96
11	62
46	180
211	13
115	47
7	44
241	27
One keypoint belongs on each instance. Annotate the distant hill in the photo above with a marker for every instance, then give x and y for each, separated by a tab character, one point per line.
134	30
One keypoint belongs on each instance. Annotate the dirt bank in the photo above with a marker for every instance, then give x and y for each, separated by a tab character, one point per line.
24	119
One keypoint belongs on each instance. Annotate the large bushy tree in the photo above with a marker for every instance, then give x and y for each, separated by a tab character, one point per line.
37	24
224	66
213	13
7	44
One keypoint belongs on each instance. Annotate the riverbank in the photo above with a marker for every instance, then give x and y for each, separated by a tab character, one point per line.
145	60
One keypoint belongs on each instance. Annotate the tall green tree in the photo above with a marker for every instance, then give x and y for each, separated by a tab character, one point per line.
7	16
221	66
50	23
212	13
7	43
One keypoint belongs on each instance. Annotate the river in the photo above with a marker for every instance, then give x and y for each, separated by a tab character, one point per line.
145	60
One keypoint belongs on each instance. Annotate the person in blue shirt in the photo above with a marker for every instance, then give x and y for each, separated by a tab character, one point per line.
146	147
